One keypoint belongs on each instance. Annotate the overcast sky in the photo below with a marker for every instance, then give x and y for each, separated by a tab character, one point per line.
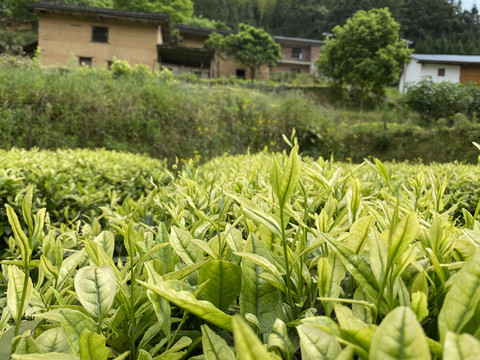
467	4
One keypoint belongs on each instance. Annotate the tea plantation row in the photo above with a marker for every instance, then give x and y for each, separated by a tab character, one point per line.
249	257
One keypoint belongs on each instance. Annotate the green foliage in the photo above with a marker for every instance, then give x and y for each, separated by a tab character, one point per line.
365	53
12	40
253	48
256	256
178	10
205	23
444	99
434	26
141	112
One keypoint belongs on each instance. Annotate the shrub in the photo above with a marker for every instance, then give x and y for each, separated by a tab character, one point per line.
445	99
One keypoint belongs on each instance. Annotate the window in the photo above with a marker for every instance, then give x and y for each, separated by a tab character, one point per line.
441	72
295	70
240	74
297	53
100	34
85	61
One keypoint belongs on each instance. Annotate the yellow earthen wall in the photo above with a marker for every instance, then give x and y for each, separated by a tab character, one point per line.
60	37
193	41
228	68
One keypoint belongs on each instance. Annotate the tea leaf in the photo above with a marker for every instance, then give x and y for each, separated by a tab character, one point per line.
144	355
347	353
358	234
7	337
69	265
285	185
73	323
378	254
324	276
96	288
53	340
400	336
27	208
461	347
24	344
253	212
107	241
50	356
184	272
382	170
420	305
359	269
401	236
223	282
317	344
92	346
160	305
186	300
183	245
462	299
259	297
20	238
214	347
262	262
347	319
278	338
247	344
15	289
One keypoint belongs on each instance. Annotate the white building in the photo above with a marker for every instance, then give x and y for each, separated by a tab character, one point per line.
454	68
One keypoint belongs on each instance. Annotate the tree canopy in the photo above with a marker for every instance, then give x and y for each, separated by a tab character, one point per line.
435	26
365	53
250	46
179	10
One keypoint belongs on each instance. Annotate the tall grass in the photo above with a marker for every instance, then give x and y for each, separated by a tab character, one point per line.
139	112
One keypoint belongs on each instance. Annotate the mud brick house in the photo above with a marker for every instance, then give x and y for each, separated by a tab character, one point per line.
299	55
190	55
95	36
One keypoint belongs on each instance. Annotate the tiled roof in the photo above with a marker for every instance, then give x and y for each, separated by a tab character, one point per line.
195	30
281	39
453	59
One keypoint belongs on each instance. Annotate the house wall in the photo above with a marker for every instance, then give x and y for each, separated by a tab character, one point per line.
221	67
61	37
304	69
306	64
287	52
452	72
228	68
189	40
314	53
416	71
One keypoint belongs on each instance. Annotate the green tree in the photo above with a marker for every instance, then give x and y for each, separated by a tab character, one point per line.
252	47
179	10
366	53
216	42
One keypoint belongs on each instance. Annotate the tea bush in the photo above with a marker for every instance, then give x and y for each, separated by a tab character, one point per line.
73	183
259	256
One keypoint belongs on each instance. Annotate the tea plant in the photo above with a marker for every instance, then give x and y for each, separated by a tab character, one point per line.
252	257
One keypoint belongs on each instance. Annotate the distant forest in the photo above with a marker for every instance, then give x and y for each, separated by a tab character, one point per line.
434	26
